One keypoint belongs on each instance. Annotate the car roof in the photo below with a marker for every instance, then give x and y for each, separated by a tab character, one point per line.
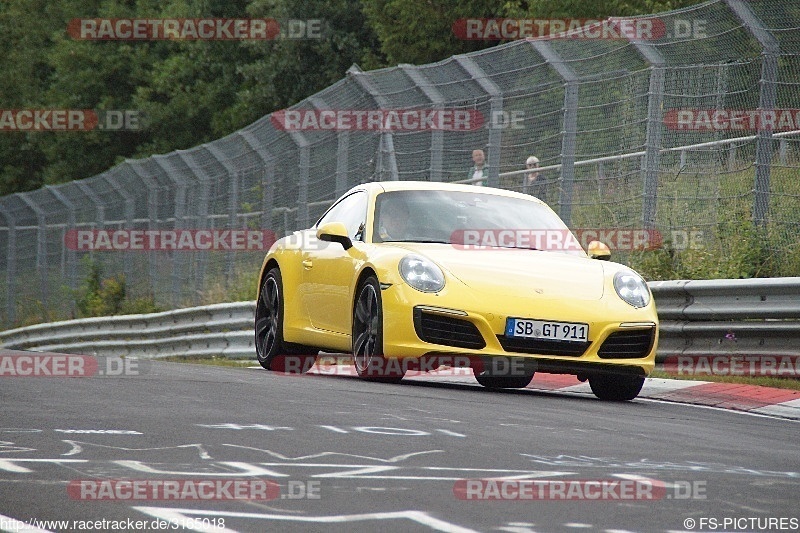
388	186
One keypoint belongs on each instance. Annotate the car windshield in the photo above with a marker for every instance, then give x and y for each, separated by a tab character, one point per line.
470	219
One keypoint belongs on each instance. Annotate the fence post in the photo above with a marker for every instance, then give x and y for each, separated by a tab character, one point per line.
95	199
783	150
130	206
387	138
267	191
100	208
721	89
152	217
304	148
495	109
233	203
11	263
766	102
202	210
342	162
437	136
732	157
41	247
342	147
568	141
180	214
71	267
655	104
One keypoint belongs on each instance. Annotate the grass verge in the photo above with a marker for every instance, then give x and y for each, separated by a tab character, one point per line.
212	361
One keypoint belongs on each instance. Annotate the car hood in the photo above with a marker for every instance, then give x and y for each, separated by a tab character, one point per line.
513	272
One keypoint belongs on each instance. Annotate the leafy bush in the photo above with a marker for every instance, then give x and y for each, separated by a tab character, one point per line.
103	297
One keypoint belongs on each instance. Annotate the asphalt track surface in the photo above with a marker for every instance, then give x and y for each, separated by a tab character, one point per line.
380	456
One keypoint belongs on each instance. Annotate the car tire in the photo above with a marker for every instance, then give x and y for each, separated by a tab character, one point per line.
368	336
271	350
615	387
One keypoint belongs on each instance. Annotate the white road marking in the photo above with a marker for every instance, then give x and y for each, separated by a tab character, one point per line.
246	469
277	455
9	465
12	525
176	515
77	448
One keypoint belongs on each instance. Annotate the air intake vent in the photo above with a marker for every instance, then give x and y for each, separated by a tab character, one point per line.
448	331
633	344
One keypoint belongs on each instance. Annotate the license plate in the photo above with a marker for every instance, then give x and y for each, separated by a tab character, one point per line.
545	329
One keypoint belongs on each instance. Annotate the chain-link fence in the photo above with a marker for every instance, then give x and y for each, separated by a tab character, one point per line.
689	129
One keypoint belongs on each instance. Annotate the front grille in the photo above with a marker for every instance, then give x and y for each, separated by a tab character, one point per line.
543	346
632	344
449	331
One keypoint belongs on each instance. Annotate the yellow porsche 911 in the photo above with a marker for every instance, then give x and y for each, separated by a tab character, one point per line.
413	275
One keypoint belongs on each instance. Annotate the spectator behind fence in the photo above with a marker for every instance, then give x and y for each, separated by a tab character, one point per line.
479	168
532	183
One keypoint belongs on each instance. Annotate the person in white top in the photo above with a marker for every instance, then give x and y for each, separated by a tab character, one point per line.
479	169
531	184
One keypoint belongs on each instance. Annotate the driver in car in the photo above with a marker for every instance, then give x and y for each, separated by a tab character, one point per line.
393	220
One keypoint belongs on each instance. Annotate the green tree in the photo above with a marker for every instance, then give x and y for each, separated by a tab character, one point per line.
288	70
25	38
421	31
193	92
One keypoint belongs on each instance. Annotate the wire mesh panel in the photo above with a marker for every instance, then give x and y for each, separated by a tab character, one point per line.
688	129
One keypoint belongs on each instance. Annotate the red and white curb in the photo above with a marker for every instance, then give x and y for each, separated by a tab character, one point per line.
783	403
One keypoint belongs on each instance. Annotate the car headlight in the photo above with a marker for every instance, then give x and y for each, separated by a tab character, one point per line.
631	288
421	273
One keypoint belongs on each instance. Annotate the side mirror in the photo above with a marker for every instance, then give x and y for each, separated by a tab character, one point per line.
334	232
599	250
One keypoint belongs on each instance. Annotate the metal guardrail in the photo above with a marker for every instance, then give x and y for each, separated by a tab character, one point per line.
749	317
220	329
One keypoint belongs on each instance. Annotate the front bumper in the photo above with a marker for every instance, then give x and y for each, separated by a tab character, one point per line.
621	338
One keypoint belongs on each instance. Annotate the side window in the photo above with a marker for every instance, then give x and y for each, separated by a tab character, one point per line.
350	211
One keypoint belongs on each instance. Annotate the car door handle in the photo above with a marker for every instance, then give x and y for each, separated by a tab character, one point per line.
307	264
